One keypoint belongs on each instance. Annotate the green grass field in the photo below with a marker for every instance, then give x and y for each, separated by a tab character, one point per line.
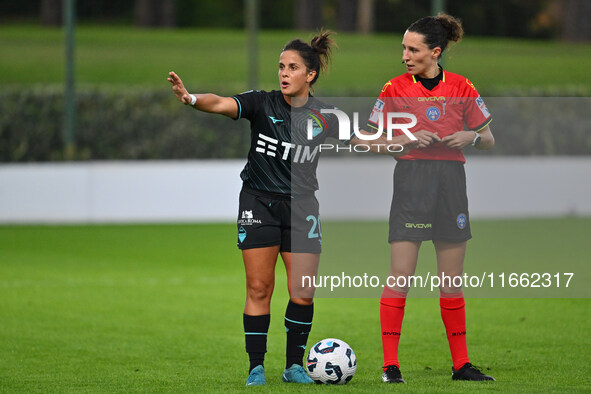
216	60
157	308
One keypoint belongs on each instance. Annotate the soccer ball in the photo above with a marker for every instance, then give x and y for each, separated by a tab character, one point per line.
331	361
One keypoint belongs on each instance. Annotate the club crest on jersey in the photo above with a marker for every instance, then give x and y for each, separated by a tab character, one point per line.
241	234
316	126
433	113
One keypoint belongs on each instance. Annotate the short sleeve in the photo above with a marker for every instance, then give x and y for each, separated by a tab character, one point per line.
379	107
249	103
476	114
333	128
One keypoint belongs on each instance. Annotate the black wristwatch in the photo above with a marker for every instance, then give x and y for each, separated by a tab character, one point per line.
476	140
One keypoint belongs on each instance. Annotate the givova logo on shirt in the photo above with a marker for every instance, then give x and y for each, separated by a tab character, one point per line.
272	147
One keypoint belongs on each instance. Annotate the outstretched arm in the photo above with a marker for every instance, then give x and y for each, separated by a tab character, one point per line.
204	102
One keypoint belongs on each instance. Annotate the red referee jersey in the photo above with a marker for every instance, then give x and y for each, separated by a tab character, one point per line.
453	105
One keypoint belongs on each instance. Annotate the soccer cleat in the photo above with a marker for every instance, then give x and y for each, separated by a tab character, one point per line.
256	377
469	372
392	375
296	374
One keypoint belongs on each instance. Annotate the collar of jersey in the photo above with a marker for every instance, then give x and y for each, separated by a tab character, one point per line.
414	80
302	108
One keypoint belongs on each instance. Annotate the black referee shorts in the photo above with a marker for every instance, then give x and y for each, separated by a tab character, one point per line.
429	202
269	219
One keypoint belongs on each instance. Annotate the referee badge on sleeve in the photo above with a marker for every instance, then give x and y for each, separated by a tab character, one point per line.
461	221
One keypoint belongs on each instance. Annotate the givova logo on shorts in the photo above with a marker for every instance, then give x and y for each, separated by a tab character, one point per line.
418	225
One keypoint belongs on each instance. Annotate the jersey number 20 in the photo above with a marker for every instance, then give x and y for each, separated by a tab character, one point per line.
315	226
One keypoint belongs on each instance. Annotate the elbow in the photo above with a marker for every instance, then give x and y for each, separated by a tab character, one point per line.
491	143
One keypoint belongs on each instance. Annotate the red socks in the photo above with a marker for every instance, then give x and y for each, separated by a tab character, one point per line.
453	313
392	306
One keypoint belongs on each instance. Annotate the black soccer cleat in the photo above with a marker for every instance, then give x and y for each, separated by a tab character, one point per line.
469	372
392	375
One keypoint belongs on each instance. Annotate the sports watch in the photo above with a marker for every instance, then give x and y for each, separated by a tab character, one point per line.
476	140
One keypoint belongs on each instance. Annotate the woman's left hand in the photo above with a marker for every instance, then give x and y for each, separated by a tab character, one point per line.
459	139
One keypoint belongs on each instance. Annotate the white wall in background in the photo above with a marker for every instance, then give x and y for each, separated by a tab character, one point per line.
207	190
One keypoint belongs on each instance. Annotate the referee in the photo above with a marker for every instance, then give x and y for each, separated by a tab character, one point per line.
278	211
429	201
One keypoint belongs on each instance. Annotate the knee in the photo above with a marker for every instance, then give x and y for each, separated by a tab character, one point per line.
302	301
400	281
450	284
259	290
450	291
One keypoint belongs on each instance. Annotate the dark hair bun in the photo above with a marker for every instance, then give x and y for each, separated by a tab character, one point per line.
438	30
452	25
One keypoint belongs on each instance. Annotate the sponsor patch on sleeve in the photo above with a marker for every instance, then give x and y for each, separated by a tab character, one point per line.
377	111
482	106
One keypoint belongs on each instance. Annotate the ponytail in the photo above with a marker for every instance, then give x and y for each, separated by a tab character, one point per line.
317	56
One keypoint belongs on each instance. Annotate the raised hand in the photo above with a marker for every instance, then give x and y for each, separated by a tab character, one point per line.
178	88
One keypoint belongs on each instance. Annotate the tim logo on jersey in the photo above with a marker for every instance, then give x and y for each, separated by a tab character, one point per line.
271	147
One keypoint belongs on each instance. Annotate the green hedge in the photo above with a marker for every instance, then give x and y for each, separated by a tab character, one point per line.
121	125
148	124
539	126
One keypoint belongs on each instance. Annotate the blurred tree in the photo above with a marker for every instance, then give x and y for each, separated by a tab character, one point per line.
143	13
51	12
508	18
575	20
215	13
308	14
277	14
346	11
168	8
152	13
396	15
365	18
105	11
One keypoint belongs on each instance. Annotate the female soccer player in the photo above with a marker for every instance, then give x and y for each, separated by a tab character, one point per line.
429	201
278	212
